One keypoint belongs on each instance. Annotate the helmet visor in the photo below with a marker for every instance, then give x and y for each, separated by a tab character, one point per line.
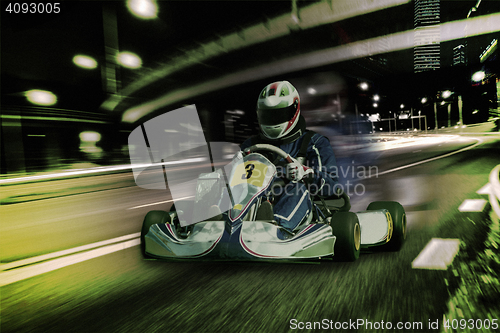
271	117
274	132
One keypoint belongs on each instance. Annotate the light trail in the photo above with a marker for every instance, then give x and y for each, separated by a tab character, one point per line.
55	119
79	172
479	142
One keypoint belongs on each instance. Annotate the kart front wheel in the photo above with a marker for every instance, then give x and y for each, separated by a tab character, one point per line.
153	217
398	223
347	231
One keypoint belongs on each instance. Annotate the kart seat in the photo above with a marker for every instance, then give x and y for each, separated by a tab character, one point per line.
265	212
339	203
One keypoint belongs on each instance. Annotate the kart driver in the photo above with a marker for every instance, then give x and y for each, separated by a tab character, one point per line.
281	124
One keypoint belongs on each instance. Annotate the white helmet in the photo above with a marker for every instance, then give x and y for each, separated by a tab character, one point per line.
278	109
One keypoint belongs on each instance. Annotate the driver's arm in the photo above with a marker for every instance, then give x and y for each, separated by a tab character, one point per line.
321	159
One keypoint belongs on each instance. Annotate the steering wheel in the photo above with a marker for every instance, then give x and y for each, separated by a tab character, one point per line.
264	146
282	154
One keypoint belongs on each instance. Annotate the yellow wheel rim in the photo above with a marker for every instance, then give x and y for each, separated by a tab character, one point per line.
404	226
357	236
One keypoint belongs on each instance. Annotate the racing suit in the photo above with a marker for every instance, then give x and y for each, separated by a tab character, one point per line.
293	204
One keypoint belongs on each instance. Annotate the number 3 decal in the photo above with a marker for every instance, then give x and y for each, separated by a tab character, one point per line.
253	173
249	170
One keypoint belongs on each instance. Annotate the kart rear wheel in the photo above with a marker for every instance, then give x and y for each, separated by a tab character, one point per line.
347	231
398	222
152	217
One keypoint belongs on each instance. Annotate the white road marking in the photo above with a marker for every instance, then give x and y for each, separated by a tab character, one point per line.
494	194
27	272
486	189
377	174
159	203
473	205
437	254
29	261
151	204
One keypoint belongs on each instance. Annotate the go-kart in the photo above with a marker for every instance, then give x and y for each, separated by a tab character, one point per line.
220	222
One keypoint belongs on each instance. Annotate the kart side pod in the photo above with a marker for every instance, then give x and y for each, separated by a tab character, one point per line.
376	227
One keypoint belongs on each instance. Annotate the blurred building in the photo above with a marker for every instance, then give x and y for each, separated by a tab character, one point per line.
427	35
489	52
491	82
460	54
36	138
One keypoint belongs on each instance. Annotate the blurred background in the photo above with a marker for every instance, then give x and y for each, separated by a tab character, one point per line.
74	83
407	89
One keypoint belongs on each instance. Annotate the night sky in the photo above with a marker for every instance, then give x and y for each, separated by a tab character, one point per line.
37	49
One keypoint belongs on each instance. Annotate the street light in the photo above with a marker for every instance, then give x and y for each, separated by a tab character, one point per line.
423	101
129	60
473	9
88	141
311	91
363	86
395	122
446	94
41	97
146	9
478	76
84	61
434	101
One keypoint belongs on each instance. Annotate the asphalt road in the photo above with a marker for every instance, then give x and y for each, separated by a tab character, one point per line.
121	292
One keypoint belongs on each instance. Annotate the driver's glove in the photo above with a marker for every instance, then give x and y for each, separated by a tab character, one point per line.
295	171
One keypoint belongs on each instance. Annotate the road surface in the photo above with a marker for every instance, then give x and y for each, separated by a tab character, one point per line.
118	291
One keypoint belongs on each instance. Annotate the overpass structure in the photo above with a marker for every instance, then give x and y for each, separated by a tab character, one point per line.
292	42
210	60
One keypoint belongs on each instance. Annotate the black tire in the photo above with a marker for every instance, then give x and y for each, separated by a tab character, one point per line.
347	230
153	217
398	221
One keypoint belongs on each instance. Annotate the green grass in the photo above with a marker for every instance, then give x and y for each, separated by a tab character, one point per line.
474	279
